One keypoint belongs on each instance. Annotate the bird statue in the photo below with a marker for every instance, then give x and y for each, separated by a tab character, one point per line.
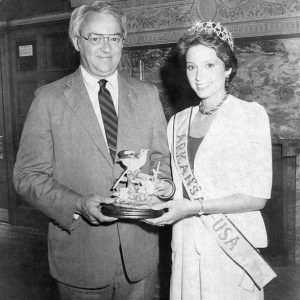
132	160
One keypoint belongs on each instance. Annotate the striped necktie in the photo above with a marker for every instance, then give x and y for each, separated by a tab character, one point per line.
109	116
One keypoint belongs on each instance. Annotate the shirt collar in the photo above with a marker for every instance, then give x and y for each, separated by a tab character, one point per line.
92	81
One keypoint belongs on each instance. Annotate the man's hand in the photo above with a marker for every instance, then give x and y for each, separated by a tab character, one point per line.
90	208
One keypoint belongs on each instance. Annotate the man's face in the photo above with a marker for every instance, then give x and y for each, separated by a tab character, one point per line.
100	60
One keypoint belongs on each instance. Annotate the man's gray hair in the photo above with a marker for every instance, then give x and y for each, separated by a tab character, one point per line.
80	13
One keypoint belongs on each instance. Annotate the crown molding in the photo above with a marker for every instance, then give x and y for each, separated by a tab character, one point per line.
261	28
278	26
4	217
36	20
165	21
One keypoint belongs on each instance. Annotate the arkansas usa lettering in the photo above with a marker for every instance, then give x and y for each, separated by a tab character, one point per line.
225	233
181	158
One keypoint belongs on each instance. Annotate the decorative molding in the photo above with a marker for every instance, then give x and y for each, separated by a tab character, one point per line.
240	10
207	9
153	38
279	26
125	3
164	21
161	16
270	27
227	9
35	20
153	22
4	217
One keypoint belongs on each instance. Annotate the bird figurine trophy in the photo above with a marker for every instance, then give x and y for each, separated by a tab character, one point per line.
135	199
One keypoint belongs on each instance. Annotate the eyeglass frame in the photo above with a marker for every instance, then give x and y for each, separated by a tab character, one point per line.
104	37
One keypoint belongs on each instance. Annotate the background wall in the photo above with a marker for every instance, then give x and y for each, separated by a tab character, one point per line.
269	73
20	9
267	38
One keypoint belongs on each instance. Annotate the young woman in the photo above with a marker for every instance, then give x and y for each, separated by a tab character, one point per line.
222	169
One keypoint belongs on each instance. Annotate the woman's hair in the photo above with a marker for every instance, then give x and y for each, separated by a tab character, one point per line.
80	13
212	35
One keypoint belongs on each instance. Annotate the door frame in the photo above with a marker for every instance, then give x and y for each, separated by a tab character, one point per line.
8	128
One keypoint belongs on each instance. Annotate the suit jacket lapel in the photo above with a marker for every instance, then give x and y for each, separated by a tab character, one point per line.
127	106
78	98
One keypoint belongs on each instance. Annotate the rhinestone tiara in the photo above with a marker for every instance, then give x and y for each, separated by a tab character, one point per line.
213	28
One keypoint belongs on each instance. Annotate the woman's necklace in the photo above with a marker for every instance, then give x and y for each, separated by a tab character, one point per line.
211	111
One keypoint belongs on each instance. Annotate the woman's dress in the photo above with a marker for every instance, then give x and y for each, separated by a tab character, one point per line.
233	158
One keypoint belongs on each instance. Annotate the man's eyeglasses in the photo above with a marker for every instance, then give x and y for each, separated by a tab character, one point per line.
95	39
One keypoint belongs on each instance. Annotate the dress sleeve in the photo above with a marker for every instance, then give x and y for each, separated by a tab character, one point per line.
257	153
170	133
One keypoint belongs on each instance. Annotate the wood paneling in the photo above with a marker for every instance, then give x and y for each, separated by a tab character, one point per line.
24	94
16	9
4	194
280	212
3	150
288	208
55	59
272	212
52	58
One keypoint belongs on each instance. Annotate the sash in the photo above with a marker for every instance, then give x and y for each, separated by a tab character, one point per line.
225	233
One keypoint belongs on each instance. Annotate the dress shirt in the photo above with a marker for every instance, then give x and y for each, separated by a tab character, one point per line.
93	87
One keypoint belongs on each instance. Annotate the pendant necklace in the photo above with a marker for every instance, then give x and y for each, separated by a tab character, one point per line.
211	111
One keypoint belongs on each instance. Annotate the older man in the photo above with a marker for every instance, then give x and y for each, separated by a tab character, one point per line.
66	164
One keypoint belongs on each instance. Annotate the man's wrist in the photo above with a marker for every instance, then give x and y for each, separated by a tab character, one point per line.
78	209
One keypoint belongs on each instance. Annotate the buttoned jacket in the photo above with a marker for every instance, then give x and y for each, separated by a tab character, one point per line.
63	157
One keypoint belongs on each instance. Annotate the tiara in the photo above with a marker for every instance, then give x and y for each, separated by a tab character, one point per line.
213	28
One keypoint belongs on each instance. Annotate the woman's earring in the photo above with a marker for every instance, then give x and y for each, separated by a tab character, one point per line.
227	83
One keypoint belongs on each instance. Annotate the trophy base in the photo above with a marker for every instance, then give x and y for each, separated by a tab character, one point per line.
122	212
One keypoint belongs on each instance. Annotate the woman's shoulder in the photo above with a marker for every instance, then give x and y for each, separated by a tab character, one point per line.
184	112
247	108
180	115
250	119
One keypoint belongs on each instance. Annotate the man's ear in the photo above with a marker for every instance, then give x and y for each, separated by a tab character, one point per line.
75	43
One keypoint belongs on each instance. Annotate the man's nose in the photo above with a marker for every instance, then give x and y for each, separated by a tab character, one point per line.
105	45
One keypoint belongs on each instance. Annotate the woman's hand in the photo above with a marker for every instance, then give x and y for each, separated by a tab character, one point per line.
177	210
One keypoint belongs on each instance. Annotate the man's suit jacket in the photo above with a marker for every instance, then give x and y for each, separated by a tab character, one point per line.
63	156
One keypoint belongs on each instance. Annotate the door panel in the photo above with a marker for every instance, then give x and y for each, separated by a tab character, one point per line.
3	157
40	54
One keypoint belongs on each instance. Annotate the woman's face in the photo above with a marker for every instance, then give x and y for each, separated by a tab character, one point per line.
206	72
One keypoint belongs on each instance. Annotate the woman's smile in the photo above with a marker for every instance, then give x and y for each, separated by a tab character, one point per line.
202	86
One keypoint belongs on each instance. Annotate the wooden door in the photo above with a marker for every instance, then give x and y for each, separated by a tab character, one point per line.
40	54
4	203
